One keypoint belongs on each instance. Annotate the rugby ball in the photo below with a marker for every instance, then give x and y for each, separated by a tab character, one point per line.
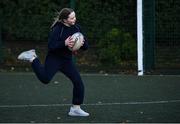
78	40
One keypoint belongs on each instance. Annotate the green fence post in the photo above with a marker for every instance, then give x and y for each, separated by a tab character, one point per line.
149	34
72	5
1	48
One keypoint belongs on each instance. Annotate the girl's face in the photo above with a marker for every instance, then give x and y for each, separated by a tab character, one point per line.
71	20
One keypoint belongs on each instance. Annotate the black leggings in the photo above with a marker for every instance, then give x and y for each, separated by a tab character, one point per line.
54	64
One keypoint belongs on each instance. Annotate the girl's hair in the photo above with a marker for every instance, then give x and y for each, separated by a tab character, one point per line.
63	14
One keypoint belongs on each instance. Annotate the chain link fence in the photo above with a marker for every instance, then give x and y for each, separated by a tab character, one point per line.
98	19
167	53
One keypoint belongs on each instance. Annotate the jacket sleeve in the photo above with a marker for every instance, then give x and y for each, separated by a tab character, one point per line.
54	41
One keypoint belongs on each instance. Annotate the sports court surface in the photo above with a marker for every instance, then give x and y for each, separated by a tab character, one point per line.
109	98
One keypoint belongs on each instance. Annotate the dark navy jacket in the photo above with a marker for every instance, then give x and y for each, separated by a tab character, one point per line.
56	41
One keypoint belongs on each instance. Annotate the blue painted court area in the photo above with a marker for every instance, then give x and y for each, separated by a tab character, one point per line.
108	99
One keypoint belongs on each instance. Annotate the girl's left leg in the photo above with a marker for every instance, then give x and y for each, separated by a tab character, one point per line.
71	72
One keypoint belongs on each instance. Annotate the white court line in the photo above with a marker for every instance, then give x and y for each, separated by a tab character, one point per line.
91	104
91	74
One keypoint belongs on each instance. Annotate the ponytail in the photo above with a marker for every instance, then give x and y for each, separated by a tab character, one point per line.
63	14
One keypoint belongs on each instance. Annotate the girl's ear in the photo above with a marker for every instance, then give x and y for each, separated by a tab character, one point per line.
64	20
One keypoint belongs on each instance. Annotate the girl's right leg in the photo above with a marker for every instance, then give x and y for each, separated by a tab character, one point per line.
46	72
43	72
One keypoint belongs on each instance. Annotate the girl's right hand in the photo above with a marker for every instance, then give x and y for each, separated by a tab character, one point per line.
69	42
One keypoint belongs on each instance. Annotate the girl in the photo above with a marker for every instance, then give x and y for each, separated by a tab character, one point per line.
59	57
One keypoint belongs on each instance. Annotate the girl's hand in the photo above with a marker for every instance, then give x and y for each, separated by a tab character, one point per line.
82	42
69	42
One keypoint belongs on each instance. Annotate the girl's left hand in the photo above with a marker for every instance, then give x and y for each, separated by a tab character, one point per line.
82	42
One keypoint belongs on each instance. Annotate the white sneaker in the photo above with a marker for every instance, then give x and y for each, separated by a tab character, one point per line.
27	55
77	112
